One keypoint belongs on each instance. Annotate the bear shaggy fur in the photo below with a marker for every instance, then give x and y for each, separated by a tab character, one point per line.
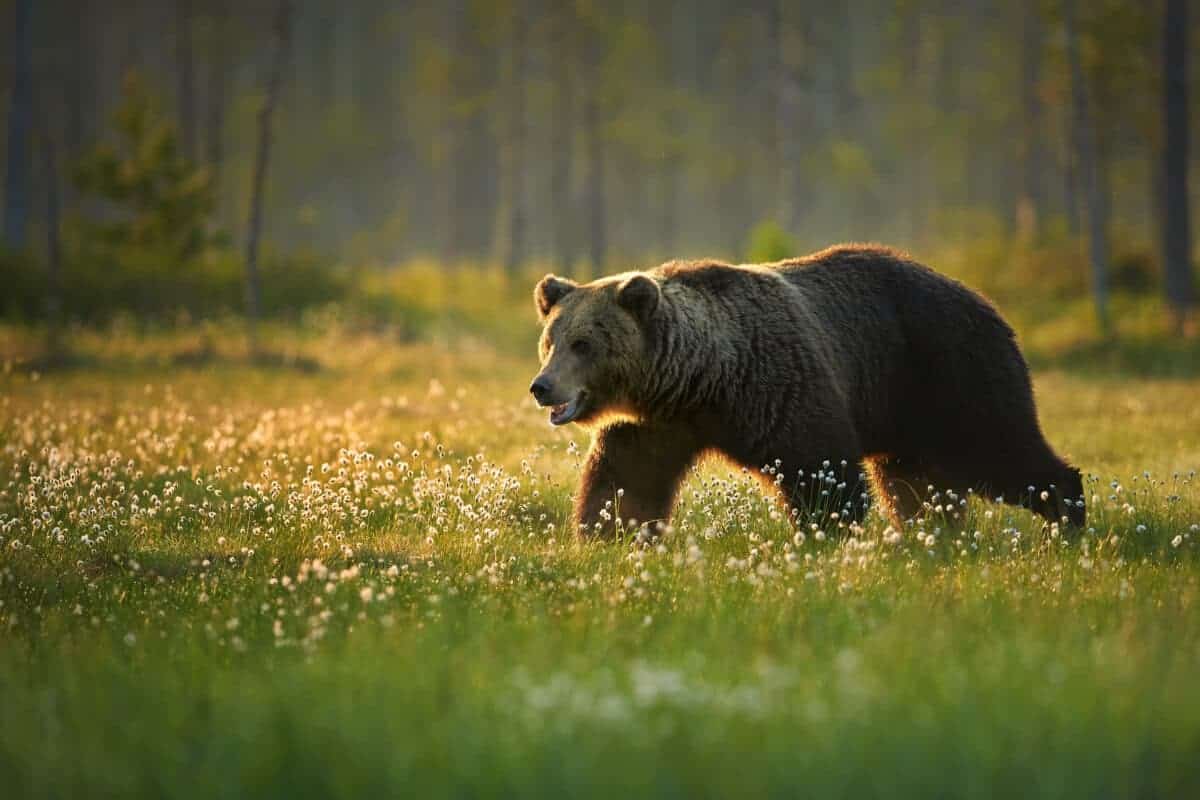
849	365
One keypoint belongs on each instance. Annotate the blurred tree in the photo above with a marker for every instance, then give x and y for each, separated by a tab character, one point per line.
447	144
76	91
283	36
594	145
54	288
1085	151
157	201
1032	198
769	242
772	19
1177	233
186	75
782	137
20	111
514	140
562	44
218	76
666	128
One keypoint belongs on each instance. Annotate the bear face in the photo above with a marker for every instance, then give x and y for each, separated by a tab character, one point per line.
593	348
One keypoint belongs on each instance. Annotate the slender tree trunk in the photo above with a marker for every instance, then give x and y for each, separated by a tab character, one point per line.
450	245
669	218
781	127
78	86
796	125
594	145
187	78
515	146
1070	177
1177	233
1032	199
917	167
54	300
845	93
678	22
218	91
20	111
772	17
562	137
283	32
1085	148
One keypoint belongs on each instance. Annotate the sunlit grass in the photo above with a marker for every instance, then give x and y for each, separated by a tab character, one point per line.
358	578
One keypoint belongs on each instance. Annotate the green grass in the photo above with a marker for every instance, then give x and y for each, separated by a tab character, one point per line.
357	580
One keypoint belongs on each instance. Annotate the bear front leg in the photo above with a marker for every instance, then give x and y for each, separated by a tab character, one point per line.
632	472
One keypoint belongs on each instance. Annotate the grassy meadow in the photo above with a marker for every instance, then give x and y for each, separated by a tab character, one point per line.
346	571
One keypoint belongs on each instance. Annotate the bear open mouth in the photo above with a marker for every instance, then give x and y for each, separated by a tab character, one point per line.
563	413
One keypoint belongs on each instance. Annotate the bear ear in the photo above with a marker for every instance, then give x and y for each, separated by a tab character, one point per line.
549	291
639	295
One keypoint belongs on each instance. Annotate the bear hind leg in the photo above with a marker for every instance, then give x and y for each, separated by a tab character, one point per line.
899	487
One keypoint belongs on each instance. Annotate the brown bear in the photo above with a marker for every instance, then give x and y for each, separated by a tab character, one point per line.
852	363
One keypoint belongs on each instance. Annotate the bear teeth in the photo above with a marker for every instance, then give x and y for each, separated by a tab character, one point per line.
563	413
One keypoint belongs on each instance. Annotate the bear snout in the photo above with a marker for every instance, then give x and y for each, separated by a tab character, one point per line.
541	389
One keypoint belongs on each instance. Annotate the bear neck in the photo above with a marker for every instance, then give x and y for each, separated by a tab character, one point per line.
692	358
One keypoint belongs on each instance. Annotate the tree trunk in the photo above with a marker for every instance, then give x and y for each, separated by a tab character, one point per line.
772	17
594	145
187	78
677	20
53	298
845	92
283	20
449	246
917	167
1085	148
515	146
1032	199
781	119
218	92
20	110
562	137
78	84
1177	234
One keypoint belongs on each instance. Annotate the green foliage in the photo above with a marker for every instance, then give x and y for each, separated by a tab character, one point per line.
95	290
160	203
1136	270
149	245
770	242
24	282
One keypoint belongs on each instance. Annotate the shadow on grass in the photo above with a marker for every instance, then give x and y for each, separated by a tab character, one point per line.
61	360
1124	357
67	361
262	359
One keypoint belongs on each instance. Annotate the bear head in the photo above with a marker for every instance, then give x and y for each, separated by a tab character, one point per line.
593	348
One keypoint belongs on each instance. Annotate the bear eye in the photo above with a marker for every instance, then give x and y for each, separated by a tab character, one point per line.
581	347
